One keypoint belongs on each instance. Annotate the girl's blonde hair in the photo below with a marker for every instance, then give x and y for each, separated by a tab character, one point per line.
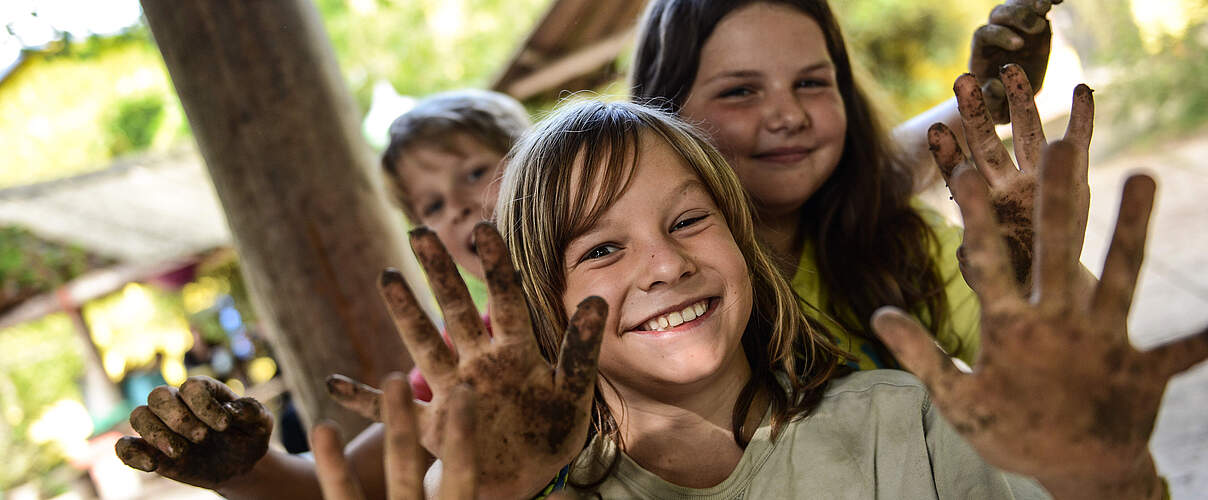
540	212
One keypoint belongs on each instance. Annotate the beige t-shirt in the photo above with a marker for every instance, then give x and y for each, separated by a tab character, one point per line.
875	435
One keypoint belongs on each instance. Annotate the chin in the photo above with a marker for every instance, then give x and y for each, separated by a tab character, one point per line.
683	367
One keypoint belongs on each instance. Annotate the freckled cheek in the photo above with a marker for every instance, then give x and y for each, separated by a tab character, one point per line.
578	290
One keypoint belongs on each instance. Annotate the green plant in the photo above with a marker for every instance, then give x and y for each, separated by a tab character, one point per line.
134	123
30	265
39	365
1167	92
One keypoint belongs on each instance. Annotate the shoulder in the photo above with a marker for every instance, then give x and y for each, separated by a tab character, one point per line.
867	435
870	403
870	399
876	383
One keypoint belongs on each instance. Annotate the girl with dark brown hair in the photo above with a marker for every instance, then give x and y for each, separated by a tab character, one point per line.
772	83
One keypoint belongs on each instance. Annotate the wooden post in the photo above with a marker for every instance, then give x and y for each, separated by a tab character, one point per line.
101	395
279	133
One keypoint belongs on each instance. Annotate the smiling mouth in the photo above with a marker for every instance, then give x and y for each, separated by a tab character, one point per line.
784	155
684	317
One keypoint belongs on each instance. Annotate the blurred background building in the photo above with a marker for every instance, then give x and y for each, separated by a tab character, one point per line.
116	267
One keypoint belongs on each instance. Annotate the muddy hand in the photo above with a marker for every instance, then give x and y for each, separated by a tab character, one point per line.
403	458
360	398
1013	190
532	417
1058	393
202	434
1018	33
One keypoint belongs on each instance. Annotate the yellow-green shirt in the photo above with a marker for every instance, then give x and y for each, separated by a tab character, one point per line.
961	335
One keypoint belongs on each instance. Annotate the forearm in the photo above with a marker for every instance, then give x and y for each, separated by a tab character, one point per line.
277	475
281	475
911	139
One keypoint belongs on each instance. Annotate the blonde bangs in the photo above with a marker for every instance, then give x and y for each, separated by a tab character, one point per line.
563	176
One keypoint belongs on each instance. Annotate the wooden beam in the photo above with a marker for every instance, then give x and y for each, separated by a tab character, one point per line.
87	287
280	135
569	67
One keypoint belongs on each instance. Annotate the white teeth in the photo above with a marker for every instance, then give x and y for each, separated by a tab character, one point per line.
678	318
675	319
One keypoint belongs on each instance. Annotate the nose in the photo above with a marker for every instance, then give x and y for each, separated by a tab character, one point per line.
666	263
461	212
784	113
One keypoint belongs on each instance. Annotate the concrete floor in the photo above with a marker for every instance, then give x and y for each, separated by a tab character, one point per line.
1172	296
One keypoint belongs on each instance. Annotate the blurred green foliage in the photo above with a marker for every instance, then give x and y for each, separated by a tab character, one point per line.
1166	88
425	46
39	365
912	50
27	261
60	109
134	123
30	265
76	106
1104	32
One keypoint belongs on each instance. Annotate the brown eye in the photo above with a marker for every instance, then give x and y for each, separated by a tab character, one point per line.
687	222
600	252
476	174
812	83
432	208
736	92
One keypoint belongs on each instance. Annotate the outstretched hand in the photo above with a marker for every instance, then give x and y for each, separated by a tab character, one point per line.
532	418
403	457
1058	393
1017	33
1012	190
203	434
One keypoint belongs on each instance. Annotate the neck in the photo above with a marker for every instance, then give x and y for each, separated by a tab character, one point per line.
684	436
781	236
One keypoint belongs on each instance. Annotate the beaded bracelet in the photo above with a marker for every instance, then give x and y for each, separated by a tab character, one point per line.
556	484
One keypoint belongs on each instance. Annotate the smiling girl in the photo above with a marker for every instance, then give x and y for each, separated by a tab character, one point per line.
772	85
635	260
702	393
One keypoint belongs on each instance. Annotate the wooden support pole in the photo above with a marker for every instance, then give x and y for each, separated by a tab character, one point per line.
279	133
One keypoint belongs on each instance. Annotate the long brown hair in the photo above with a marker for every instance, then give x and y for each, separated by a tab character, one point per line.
540	212
871	245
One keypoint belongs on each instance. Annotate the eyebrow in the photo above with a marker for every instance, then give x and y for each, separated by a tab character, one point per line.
687	184
748	73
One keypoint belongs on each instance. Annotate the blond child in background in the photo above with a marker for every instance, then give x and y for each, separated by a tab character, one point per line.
442	167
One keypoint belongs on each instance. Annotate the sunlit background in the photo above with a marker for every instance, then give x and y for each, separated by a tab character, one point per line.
90	321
